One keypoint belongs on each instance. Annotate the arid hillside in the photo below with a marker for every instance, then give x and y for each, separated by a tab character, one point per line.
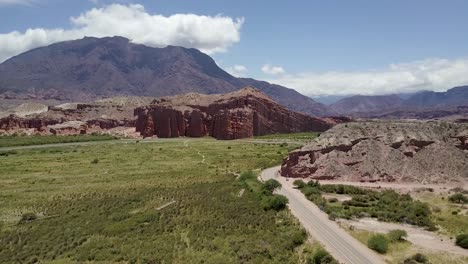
384	151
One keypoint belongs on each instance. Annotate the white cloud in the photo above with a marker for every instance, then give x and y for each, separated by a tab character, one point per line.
16	2
237	70
272	70
429	74
210	34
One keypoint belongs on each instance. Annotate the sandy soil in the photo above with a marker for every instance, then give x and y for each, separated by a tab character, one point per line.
416	235
339	197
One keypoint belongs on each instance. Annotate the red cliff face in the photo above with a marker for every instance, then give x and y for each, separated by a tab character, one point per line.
241	114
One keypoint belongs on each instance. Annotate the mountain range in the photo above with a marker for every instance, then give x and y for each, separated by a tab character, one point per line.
93	68
426	101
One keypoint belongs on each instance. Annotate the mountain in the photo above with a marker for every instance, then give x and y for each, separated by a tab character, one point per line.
453	97
360	103
421	105
92	68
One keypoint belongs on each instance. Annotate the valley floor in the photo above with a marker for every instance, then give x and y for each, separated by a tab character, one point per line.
171	201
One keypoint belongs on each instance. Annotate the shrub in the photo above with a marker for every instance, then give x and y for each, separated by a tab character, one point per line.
397	235
332	200
95	161
275	202
321	256
458	198
299	184
378	243
462	240
271	185
318	256
416	258
27	217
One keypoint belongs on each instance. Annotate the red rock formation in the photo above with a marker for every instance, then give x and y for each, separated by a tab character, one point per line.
240	114
13	122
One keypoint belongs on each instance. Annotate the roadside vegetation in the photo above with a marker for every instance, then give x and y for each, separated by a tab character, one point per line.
402	251
320	256
159	202
387	205
16	140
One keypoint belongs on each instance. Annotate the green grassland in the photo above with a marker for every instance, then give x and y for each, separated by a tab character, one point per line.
301	137
12	141
451	218
99	204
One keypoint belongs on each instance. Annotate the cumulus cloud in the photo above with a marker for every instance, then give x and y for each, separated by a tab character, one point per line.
210	34
429	74
237	70
16	2
272	70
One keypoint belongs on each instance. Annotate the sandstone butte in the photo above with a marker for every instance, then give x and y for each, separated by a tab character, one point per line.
385	151
240	114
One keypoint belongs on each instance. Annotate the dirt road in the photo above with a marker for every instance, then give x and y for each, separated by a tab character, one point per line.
340	244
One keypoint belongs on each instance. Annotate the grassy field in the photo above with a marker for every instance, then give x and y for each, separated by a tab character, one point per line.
443	213
302	137
12	141
102	204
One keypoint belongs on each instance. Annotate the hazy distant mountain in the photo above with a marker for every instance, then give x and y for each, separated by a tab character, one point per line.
361	103
92	68
421	104
452	97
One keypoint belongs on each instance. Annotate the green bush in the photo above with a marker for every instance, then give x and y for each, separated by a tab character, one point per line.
416	258
27	217
458	198
271	184
462	240
397	235
321	256
378	243
299	184
276	202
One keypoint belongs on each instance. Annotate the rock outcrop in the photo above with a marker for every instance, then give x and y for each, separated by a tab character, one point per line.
240	114
425	152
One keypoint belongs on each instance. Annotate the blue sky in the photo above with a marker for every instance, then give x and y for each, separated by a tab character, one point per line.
316	47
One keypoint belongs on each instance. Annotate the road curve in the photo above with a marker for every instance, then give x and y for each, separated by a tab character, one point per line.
340	244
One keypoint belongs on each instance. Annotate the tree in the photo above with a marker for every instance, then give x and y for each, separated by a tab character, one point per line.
271	185
378	243
458	198
462	240
299	184
275	202
397	235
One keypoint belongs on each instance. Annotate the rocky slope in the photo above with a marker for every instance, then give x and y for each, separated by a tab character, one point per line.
91	68
425	152
244	113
